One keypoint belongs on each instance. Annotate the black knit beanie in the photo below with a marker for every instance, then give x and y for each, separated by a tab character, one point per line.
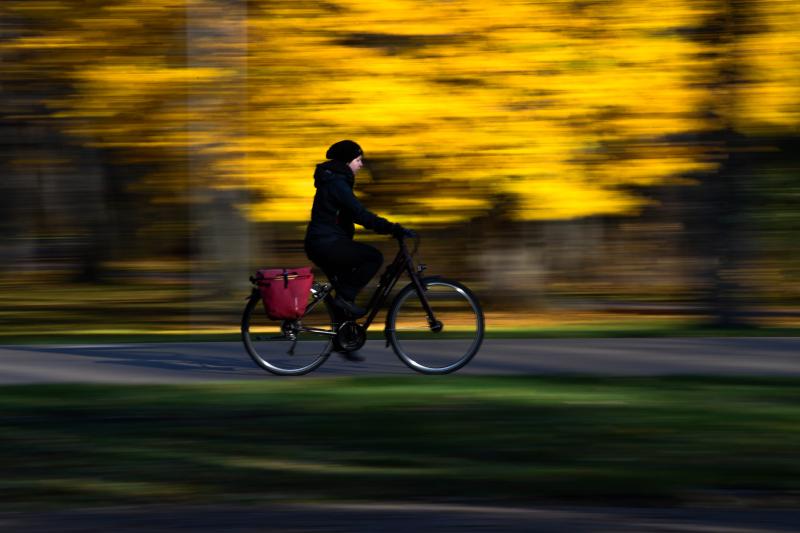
344	151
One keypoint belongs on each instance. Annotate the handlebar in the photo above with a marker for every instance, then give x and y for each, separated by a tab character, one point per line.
401	241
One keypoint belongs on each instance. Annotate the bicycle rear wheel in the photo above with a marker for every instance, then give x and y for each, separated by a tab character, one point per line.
286	347
436	350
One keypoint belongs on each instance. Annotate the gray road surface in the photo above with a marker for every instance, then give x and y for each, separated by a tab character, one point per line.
218	361
401	518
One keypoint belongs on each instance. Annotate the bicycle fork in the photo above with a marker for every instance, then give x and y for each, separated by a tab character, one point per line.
435	325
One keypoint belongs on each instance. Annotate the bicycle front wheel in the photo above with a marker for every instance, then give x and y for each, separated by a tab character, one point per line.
290	347
447	345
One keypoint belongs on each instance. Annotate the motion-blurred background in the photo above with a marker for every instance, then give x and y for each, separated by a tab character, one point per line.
574	162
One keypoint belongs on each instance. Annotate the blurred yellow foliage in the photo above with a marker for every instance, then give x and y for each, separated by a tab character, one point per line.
560	106
770	100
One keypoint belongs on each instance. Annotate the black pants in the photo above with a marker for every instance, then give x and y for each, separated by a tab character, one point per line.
349	265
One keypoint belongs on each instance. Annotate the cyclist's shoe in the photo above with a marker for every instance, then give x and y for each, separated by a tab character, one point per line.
353	356
318	288
349	307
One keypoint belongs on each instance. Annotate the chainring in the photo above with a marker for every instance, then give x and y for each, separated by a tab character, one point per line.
351	336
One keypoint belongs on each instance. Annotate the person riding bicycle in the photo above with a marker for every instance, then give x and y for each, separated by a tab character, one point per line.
329	243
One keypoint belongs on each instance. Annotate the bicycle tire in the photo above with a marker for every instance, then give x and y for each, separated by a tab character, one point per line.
414	341
269	347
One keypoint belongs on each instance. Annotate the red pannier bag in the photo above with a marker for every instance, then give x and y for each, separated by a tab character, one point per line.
285	291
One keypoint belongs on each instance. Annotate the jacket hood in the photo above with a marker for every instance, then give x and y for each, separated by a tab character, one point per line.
333	170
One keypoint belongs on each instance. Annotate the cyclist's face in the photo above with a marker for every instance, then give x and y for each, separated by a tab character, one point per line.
356	164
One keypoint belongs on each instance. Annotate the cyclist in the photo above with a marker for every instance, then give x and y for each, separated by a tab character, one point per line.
329	243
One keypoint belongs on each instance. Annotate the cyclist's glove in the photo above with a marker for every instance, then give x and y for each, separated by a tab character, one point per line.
399	232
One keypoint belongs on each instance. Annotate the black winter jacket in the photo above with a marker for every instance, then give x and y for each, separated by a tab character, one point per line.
335	208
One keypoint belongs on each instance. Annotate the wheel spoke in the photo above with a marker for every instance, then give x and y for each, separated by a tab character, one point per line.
289	347
433	350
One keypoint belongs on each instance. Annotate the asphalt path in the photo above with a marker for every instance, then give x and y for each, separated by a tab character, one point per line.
227	361
401	518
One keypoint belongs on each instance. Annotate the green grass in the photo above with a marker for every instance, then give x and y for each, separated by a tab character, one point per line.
458	438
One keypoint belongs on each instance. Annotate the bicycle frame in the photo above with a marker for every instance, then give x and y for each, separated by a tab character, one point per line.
403	261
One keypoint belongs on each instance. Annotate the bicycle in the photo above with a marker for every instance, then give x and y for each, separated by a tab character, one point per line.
434	325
